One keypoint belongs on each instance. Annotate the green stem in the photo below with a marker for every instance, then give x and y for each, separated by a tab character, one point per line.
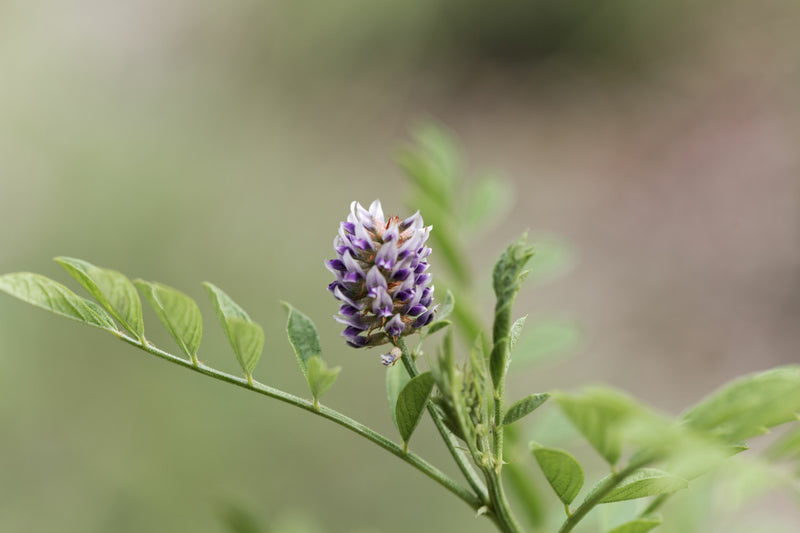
497	425
495	495
597	495
499	352
500	505
325	412
450	440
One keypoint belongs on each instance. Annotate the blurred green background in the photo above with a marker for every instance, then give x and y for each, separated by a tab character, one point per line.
196	140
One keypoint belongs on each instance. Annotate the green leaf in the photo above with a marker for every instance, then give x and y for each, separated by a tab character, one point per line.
516	330
411	404
599	414
562	470
396	378
319	376
247	341
303	337
111	289
487	199
224	304
177	312
436	326
640	525
43	292
245	336
643	483
523	407
750	405
446	308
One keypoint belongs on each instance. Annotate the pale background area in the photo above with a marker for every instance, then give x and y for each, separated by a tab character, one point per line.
190	141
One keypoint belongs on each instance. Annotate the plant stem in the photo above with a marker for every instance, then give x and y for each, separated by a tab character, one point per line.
450	440
500	505
597	495
495	495
414	460
497	424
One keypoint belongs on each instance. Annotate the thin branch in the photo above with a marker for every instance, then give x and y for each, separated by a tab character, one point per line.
598	494
325	412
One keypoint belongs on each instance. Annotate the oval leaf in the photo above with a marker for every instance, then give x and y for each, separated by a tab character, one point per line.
319	376
247	341
245	336
224	304
43	292
303	337
523	407
643	483
749	405
177	312
411	404
598	414
562	470
396	378
111	289
640	525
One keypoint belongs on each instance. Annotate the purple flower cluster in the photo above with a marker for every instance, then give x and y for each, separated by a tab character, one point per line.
381	277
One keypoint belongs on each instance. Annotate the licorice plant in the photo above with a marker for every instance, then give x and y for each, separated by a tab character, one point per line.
384	287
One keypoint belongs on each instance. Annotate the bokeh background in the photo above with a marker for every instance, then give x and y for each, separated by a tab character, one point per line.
196	140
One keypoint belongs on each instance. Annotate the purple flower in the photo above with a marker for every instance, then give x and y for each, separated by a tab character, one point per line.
381	279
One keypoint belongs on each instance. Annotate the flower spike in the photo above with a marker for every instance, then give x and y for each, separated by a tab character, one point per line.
381	277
